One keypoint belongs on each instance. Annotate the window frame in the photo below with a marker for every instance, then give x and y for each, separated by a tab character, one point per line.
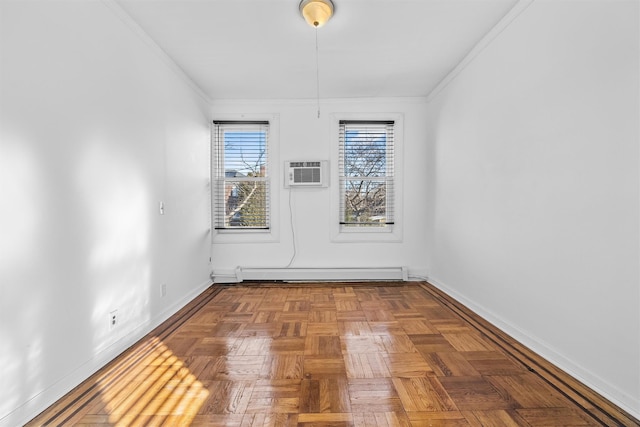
391	232
384	175
247	234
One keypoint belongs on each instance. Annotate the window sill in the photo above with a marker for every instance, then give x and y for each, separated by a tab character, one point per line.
229	235
367	235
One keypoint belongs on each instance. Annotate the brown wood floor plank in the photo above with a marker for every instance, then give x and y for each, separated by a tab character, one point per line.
339	354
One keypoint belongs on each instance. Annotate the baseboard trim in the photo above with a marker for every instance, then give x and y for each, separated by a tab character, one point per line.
601	408
312	274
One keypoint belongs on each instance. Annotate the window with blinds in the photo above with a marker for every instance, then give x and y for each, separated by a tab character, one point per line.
366	173
241	179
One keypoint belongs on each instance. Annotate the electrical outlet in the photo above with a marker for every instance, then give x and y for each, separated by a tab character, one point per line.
163	290
113	319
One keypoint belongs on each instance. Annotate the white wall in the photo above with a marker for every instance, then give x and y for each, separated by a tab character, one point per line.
298	134
97	128
534	188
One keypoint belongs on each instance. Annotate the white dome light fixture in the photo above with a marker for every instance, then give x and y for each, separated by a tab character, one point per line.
316	12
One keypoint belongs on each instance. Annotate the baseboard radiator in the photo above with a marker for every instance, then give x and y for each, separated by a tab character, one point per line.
344	274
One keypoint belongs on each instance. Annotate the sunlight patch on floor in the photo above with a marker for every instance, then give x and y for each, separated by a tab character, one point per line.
151	386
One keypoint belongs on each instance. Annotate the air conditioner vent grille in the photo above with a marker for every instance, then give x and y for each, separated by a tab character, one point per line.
306	174
304	164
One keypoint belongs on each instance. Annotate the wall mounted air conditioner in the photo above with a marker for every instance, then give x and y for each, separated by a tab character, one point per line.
306	173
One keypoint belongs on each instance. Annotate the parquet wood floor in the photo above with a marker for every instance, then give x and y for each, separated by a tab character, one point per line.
329	355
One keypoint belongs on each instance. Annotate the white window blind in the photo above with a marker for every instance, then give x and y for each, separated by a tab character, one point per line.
241	178
366	173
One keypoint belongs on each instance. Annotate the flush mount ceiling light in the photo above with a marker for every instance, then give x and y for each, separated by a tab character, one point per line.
316	12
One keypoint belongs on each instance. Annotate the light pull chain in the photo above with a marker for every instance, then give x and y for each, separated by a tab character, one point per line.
317	74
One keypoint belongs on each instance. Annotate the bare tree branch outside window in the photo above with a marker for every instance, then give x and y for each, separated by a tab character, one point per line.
365	177
245	185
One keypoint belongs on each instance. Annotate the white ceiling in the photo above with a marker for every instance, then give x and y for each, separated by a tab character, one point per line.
263	49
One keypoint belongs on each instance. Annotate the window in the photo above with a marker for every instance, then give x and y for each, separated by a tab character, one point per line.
241	179
366	174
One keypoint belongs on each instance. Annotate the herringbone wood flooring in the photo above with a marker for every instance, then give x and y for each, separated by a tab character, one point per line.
327	355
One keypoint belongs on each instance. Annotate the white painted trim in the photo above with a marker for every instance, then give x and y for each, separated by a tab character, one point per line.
225	103
418	275
224	276
485	41
50	395
393	233
543	349
272	234
142	34
321	274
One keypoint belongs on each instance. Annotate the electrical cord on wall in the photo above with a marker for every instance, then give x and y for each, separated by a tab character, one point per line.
293	232
293	236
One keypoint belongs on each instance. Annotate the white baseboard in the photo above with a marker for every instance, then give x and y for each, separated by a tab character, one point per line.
540	347
54	392
418	275
322	274
224	276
